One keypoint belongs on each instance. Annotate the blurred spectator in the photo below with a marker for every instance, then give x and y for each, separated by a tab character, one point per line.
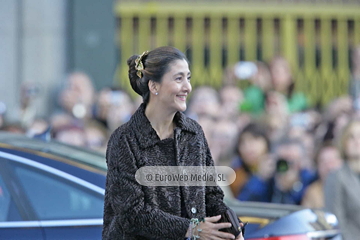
205	100
337	115
327	159
96	136
282	81
2	113
28	94
71	135
308	140
354	86
290	180
78	96
309	144
276	116
113	107
342	187
222	142
38	126
254	95
13	127
120	110
231	97
207	124
61	120
307	120
253	165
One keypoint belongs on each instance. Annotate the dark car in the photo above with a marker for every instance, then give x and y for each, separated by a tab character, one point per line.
50	191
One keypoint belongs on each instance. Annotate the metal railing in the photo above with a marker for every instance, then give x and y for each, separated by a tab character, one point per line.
315	39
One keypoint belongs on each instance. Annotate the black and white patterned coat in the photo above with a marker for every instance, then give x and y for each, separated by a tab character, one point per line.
133	211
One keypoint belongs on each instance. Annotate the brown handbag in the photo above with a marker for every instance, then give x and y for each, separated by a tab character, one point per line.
231	217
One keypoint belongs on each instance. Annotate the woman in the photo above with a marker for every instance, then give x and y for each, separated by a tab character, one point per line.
327	159
342	187
283	82
159	134
253	166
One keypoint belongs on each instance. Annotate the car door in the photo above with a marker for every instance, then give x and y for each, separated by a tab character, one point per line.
16	221
65	206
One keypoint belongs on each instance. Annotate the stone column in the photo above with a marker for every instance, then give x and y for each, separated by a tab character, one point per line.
32	49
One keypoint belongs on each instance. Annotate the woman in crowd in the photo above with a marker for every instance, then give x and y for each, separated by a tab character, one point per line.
327	160
159	134
282	82
253	165
342	187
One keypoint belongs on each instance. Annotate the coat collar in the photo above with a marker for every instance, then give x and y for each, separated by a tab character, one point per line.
147	136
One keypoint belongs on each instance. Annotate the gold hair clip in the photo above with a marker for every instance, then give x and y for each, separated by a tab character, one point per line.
139	66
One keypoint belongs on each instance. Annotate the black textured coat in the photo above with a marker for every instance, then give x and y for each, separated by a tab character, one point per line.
133	211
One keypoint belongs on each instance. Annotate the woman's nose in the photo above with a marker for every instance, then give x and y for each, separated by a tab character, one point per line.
187	86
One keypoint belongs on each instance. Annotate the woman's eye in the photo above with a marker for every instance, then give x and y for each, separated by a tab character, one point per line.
178	79
189	79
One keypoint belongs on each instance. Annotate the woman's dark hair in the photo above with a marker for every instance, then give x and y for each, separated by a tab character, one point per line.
256	130
156	64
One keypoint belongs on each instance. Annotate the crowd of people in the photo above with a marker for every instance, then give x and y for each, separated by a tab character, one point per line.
281	148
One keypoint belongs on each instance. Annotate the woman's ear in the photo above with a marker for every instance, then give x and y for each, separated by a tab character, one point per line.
153	87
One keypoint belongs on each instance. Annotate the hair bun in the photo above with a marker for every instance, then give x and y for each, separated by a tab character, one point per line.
134	78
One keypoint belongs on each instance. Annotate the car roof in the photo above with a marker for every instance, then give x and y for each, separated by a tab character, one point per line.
54	150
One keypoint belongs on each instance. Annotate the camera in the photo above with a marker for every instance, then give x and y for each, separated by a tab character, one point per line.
282	165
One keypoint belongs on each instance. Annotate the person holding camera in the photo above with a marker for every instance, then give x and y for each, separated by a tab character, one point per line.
159	134
290	180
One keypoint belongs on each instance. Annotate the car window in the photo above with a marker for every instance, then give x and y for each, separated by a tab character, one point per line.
55	198
8	210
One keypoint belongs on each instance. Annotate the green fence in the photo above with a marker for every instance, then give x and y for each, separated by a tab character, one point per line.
316	39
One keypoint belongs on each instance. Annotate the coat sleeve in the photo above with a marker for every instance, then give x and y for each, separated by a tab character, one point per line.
214	196
131	211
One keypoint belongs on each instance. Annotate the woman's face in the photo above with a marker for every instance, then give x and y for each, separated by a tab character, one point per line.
329	159
252	148
175	86
352	143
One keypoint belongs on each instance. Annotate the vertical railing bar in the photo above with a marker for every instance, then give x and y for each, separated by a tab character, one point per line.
289	41
233	39
162	30
250	38
268	37
144	32
326	57
215	50
198	64
180	32
126	45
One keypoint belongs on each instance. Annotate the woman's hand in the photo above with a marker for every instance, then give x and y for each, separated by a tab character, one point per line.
210	230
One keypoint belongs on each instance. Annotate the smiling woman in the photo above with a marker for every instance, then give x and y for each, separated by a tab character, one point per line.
159	134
